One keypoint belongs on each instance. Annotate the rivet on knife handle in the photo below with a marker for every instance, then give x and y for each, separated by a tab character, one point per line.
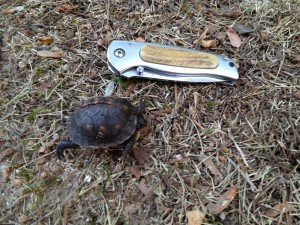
163	62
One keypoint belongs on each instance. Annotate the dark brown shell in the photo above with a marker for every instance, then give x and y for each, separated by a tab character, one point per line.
103	122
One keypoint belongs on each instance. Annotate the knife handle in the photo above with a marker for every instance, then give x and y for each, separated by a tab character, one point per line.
178	57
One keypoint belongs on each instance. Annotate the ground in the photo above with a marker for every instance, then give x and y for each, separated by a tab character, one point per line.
231	152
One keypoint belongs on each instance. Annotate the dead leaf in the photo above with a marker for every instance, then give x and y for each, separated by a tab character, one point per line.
143	186
142	156
130	88
206	43
277	209
296	58
70	9
45	40
65	8
45	85
242	29
139	39
23	219
6	172
222	201
203	35
195	217
220	36
92	72
176	159
7	152
100	42
18	182
38	211
162	112
44	174
41	161
233	37
48	54
12	10
297	94
87	26
213	169
222	158
231	13
135	170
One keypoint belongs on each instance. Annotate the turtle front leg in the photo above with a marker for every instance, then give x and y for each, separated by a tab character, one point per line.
142	128
64	144
129	143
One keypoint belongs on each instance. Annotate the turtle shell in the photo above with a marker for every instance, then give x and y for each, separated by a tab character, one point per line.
103	122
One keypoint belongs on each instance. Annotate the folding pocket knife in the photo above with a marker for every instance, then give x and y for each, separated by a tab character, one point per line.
156	61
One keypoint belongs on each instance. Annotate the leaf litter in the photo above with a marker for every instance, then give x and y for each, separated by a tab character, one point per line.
261	161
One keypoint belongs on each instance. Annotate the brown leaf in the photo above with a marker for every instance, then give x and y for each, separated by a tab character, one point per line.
142	156
233	37
6	172
41	161
12	10
222	201
130	88
220	36
296	58
213	169
208	43
48	54
176	159
100	42
65	8
139	39
42	149
38	211
277	209
231	13
143	186
45	85
92	72
297	94
203	35
162	112
87	26
23	219
195	217
45	40
18	182
135	170
44	174
7	152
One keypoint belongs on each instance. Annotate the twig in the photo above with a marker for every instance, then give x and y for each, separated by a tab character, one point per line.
128	10
254	188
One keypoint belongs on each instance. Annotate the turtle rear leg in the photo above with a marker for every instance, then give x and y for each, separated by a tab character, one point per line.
64	144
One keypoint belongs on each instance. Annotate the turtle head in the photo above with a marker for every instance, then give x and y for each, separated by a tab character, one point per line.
140	108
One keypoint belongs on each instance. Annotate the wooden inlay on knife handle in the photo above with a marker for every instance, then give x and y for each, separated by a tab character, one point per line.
178	57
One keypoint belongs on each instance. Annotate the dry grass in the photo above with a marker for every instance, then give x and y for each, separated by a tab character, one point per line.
250	131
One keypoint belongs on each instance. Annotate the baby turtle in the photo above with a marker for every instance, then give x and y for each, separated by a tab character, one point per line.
104	122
